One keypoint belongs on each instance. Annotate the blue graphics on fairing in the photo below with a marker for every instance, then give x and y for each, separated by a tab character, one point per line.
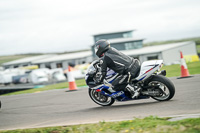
142	78
111	75
119	95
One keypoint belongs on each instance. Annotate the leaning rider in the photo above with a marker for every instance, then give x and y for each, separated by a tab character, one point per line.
126	66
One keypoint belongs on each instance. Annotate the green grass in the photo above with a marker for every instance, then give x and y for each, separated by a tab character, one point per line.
79	83
198	49
175	70
147	125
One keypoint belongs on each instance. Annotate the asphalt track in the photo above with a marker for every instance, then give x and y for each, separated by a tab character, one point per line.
61	107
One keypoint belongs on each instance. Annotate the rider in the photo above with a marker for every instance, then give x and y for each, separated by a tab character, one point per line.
126	66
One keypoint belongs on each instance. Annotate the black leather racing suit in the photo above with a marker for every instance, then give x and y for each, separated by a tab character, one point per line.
126	66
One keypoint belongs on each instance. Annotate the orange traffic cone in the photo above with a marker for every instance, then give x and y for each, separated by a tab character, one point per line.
184	69
71	80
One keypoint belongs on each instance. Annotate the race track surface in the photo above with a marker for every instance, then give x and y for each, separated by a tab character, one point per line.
61	107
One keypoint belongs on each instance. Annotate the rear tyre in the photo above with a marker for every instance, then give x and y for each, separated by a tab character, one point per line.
100	99
166	87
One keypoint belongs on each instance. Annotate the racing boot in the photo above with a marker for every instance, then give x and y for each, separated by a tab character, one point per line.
135	92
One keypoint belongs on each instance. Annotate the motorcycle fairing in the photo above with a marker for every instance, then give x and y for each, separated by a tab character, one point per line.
148	68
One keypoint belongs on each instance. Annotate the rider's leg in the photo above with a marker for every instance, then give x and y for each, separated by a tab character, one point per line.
120	83
134	90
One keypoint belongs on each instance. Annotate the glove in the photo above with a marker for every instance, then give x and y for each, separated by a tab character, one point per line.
98	78
98	82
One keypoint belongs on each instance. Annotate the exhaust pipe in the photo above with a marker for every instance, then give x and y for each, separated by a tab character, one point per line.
163	72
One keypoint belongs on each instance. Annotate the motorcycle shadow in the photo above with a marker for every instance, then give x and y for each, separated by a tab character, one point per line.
129	105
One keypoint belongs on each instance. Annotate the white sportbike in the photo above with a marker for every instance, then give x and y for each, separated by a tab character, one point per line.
151	81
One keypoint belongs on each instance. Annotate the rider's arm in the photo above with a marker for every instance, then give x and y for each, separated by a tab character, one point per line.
104	64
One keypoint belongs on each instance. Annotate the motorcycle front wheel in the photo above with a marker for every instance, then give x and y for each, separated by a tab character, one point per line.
100	99
166	87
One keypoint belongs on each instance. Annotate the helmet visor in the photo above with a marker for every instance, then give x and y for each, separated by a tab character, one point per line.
96	48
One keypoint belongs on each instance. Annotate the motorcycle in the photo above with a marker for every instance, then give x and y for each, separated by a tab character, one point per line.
150	79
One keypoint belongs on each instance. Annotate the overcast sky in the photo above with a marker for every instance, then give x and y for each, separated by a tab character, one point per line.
32	26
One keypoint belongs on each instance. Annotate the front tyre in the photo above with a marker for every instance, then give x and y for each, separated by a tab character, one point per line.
166	88
100	99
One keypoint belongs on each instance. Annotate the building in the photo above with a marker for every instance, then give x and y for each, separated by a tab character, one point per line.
25	61
63	60
122	40
52	61
170	53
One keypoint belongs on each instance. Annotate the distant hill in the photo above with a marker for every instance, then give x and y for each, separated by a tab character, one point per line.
4	59
196	39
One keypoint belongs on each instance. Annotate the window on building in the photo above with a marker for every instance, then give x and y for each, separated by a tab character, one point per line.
38	65
127	35
133	45
118	46
16	66
59	65
48	66
6	67
128	46
152	57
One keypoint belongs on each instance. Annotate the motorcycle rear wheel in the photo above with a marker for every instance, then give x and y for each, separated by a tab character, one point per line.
100	99
166	87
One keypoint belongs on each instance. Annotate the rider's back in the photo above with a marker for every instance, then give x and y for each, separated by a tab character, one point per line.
117	61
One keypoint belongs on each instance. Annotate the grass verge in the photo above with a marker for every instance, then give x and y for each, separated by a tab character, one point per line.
147	125
79	83
198	49
175	70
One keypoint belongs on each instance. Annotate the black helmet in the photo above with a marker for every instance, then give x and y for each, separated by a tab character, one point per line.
101	46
